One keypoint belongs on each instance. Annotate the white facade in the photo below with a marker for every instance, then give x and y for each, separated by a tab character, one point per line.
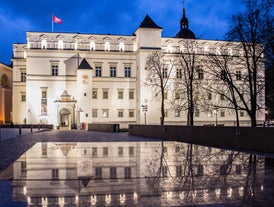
113	91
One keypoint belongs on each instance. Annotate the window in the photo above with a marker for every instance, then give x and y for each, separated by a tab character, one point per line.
127	172
94	152
177	113
105	113
44	149
122	46
238	169
86	114
98	71
177	95
177	149
105	94
107	46
166	113
23	97
44	102
120	94
60	44
164	171
131	151
92	46
94	113
127	71
112	71
54	69
120	151
98	173
131	113
200	73
44	44
197	113
23	76
209	96
222	114
165	95
222	97
113	173
200	170
165	150
165	73
179	171
223	75
4	81
23	168
54	174
94	93
105	151
131	94
120	113
242	114
179	73
238	75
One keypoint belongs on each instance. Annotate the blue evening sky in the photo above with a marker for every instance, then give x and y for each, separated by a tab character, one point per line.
208	19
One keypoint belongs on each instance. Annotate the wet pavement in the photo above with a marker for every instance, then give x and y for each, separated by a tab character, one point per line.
12	145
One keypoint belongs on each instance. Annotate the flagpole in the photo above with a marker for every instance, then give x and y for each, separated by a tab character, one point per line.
52	23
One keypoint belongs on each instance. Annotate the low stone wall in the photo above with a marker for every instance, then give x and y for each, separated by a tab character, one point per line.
259	139
25	126
104	127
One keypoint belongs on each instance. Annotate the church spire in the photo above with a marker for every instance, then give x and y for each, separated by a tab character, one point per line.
185	32
184	20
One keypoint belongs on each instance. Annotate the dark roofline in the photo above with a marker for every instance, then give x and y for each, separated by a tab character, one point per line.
149	23
85	65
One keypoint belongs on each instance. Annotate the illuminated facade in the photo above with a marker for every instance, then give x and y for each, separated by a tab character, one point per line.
122	174
66	79
5	94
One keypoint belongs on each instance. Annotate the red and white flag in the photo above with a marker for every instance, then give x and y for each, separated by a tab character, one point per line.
57	20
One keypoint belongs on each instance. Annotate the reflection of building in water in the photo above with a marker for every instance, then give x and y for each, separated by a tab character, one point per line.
134	174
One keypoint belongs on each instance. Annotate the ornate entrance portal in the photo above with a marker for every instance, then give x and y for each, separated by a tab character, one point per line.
66	111
65	118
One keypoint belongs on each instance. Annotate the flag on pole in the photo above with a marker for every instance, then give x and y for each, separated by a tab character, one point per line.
57	20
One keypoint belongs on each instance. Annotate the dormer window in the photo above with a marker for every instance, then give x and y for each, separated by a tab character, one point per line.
107	46
60	44
122	46
92	46
44	44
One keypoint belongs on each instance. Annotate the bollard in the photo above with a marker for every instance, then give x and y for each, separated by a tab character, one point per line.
31	128
20	130
38	127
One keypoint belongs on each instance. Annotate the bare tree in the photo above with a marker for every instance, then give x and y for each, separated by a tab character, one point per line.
225	80
159	67
189	75
248	28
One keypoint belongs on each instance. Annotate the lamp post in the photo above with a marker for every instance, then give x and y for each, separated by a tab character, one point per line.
215	111
144	109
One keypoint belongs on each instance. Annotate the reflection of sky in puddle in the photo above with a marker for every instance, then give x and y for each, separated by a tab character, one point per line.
135	174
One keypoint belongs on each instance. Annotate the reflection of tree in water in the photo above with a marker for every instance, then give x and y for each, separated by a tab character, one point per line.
201	174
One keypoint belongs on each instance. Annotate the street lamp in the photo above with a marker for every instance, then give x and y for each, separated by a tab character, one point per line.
144	109
215	111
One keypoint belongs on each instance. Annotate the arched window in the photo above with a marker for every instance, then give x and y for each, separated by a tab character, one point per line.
4	81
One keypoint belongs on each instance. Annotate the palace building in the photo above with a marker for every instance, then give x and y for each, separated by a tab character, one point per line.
5	94
66	79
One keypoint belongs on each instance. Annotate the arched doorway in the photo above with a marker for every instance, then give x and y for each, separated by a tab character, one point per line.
65	118
4	81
